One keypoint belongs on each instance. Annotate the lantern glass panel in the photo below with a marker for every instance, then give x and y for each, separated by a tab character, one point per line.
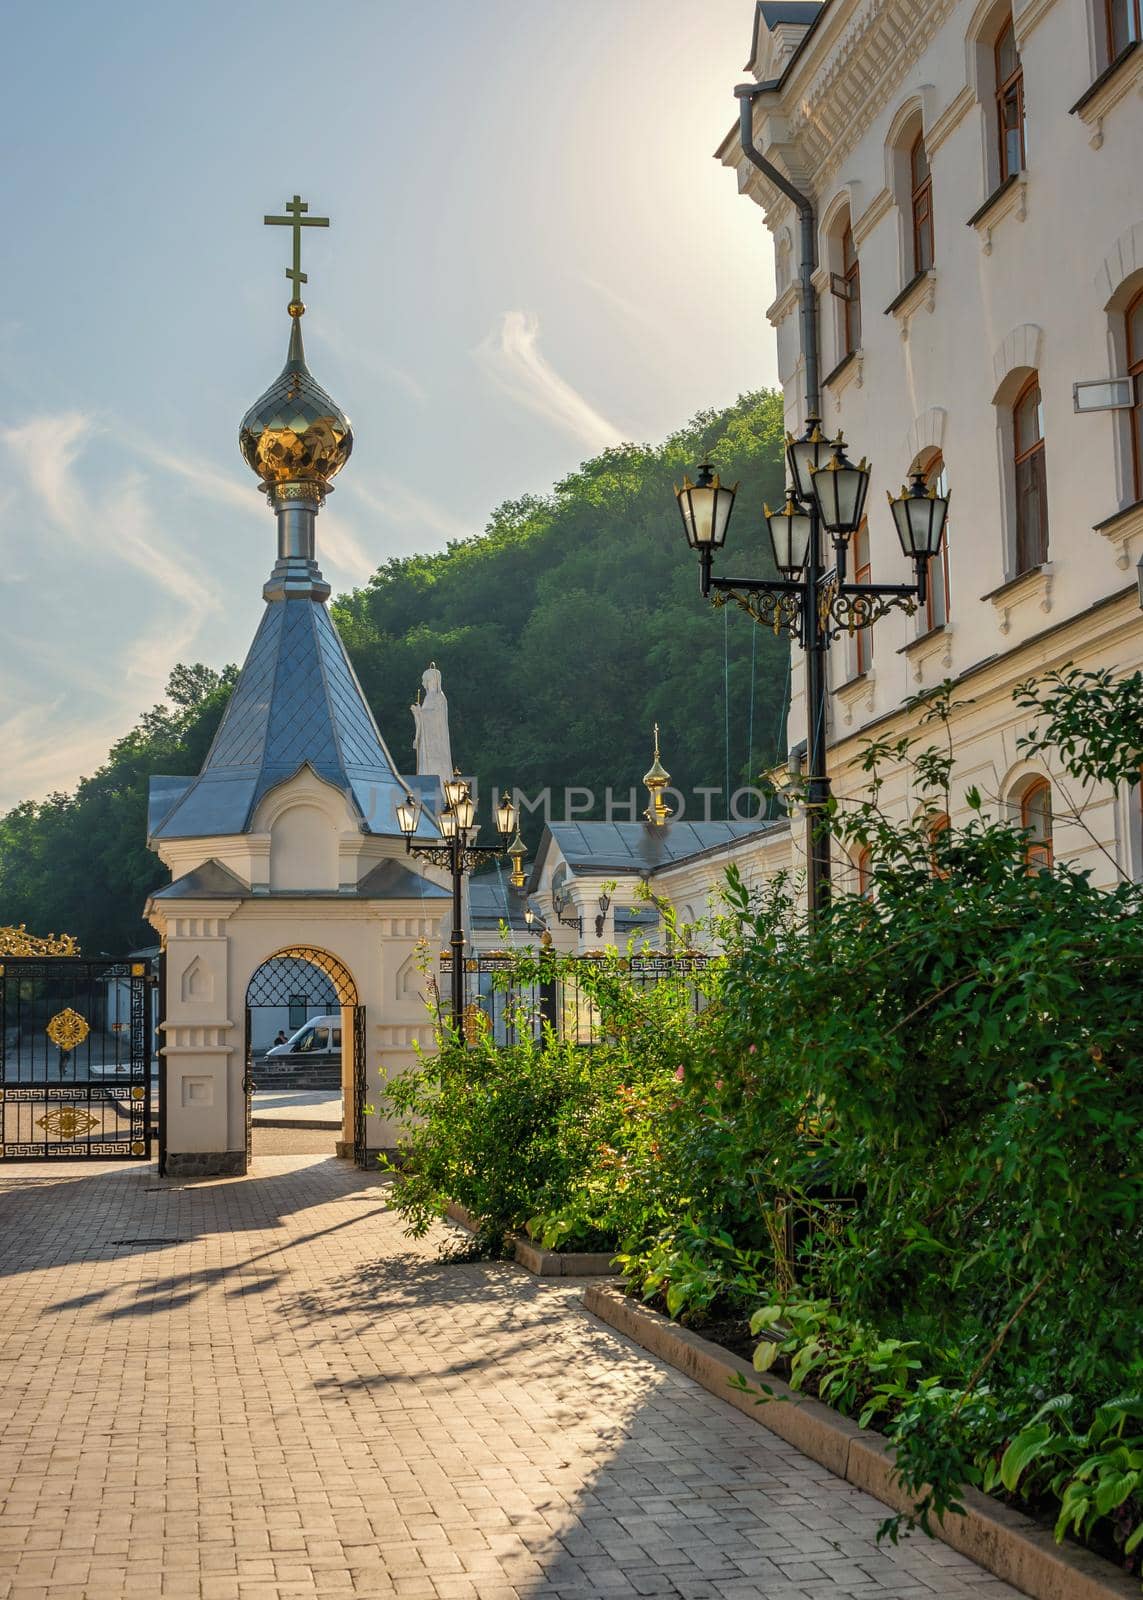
407	813
506	815
448	824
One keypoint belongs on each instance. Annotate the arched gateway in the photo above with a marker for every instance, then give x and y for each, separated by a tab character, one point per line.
295	984
287	841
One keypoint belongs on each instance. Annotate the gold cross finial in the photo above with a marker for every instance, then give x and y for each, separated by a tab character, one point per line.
297	220
656	741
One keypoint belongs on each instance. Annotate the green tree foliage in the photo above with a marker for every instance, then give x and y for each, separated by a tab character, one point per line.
563	631
80	861
573	623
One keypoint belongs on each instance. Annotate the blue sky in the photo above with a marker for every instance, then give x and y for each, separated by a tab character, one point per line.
532	255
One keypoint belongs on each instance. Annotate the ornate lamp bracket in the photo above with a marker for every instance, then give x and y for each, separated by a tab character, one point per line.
844	608
777	608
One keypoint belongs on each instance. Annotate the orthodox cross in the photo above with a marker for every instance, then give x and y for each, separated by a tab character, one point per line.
297	220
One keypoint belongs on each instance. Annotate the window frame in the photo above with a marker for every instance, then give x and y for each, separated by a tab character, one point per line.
851	303
864	867
933	472
1038	853
862	573
1135	374
921	206
1004	88
939	824
1021	457
1131	13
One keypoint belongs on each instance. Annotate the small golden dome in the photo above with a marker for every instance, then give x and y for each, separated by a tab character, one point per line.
657	777
295	432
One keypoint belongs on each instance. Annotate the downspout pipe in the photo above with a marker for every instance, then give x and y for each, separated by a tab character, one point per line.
746	94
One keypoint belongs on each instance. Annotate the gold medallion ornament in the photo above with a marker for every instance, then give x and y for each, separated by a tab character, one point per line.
67	1122
67	1029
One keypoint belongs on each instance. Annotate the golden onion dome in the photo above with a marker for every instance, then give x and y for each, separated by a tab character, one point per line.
657	777
295	433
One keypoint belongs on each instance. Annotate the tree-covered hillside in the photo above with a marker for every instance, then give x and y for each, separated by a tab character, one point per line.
562	632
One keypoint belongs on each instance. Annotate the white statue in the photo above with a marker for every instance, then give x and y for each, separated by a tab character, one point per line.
430	719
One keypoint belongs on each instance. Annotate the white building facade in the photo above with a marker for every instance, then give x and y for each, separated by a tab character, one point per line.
975	174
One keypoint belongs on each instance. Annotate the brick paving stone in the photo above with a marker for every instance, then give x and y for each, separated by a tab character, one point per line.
296	1401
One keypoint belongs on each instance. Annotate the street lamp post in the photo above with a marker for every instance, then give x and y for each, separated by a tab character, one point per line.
811	603
459	853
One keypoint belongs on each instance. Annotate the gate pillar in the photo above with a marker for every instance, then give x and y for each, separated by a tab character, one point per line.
202	1051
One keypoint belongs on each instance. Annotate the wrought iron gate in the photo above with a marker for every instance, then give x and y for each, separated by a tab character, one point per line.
360	1149
75	1059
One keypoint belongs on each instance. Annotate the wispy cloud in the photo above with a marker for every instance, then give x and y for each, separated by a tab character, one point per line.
372	361
631	309
512	358
52	739
342	547
404	507
201	476
46	449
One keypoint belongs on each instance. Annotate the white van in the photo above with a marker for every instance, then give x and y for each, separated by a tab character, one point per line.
317	1041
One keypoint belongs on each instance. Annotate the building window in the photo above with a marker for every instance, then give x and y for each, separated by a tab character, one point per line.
921	187
937	596
1036	820
1122	20
1031	481
1134	320
862	573
1009	103
938	826
865	872
851	279
299	1010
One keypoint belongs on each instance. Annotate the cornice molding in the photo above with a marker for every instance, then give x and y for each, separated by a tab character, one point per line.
786	302
1029	17
1011	199
878	207
1113	86
1120	530
950	119
1033	586
836	91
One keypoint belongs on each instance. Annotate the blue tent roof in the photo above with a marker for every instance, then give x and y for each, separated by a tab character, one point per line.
297	702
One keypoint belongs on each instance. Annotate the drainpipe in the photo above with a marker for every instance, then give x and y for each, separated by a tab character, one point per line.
746	93
814	638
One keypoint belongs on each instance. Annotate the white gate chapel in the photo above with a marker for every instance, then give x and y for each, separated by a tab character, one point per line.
286	843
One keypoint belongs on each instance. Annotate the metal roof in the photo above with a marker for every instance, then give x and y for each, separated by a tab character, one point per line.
388	880
637	848
297	702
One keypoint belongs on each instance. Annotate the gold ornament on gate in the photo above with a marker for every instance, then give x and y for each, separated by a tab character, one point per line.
67	1029
67	1122
19	942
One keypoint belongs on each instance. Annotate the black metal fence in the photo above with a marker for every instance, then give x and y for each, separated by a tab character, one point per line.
499	1001
76	1041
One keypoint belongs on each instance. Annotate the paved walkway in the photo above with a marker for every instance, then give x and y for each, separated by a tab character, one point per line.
280	1107
259	1389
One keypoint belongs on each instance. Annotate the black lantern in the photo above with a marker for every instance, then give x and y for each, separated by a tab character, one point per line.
705	508
806	455
840	489
790	531
506	815
920	513
407	813
455	789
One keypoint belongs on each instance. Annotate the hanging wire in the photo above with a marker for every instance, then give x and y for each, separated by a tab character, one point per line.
726	700
750	733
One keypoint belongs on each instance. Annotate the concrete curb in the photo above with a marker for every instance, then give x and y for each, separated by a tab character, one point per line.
544	1263
998	1538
